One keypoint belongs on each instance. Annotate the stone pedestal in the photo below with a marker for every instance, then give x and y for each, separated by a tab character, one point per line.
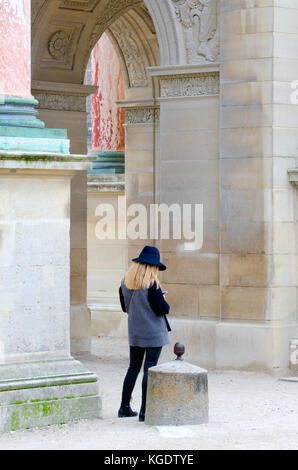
40	383
177	394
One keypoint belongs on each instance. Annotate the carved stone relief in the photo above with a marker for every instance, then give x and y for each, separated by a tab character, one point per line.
113	10
62	42
132	54
58	44
200	29
206	83
83	5
144	115
61	102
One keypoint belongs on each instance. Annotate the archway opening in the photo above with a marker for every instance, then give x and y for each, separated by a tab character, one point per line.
63	37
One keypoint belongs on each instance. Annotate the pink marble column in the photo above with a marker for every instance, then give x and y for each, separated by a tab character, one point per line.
107	118
15	48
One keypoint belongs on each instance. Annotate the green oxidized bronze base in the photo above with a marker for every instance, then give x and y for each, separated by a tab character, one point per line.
108	163
20	130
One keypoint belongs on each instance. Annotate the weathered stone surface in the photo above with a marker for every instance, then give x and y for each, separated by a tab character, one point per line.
40	383
177	394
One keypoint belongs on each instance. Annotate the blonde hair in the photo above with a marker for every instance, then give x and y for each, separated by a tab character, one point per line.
141	276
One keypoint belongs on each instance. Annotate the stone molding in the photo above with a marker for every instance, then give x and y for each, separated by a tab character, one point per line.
142	116
112	11
62	96
189	81
206	83
293	175
132	53
86	5
140	111
105	184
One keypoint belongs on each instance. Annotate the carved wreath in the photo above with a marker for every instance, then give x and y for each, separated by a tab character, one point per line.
58	44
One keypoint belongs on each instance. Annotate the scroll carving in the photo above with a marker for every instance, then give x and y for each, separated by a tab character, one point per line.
133	57
200	28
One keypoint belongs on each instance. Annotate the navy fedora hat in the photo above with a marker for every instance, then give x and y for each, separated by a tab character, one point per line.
150	255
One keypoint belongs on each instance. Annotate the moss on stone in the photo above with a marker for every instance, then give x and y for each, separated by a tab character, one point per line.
41	158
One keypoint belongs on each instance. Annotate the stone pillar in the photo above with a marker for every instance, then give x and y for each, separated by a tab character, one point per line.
64	104
141	156
40	383
107	118
188	172
258	144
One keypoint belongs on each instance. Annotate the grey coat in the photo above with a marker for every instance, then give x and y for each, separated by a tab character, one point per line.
145	328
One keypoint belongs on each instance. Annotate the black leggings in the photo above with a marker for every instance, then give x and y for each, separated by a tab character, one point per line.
136	360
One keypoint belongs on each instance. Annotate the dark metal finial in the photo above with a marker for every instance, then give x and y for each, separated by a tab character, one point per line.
179	350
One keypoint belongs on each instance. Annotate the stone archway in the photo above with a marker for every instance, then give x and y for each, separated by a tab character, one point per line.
176	82
63	35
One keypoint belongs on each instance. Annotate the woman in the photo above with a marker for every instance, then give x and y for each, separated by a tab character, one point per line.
142	298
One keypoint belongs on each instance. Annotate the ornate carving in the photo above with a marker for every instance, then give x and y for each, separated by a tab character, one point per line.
62	43
61	102
85	5
199	22
133	57
57	45
144	115
113	10
206	83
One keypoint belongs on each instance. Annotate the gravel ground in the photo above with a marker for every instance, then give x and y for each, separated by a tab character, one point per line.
247	411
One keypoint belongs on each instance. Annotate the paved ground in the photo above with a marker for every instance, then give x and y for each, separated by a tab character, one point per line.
247	411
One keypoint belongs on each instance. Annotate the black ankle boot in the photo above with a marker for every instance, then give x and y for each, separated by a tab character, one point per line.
125	411
142	416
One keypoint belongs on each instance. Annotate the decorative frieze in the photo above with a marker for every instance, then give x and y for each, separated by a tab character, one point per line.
61	96
83	5
61	102
134	58
144	115
206	83
200	29
113	9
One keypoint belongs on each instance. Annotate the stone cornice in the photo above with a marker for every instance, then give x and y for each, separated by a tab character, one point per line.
63	88
62	96
293	175
143	111
186	81
105	183
189	86
182	70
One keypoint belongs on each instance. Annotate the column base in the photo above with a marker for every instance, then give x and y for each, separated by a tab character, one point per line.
48	392
107	163
20	130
